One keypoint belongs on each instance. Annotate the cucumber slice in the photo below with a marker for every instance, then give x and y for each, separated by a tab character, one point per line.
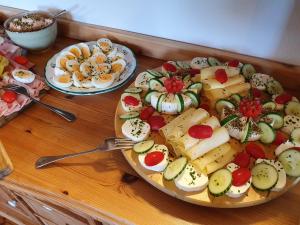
180	103
267	135
129	115
295	136
133	90
236	98
194	97
187	78
264	176
269	106
161	98
149	94
292	108
248	70
246	132
182	65
290	160
274	88
155	73
212	61
220	182
197	85
175	168
228	119
155	84
221	103
143	147
274	119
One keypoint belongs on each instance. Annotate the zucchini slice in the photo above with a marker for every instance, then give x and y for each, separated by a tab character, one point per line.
292	108
264	176
133	90
228	119
143	147
212	61
290	159
276	120
194	97
129	115
295	136
267	135
175	168
149	94
248	70
269	106
221	103
220	182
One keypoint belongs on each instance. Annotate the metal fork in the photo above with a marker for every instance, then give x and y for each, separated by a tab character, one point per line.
108	145
21	90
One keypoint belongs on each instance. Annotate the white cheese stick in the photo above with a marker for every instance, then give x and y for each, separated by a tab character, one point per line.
212	83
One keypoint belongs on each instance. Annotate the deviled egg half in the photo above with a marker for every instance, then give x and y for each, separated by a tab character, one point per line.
24	76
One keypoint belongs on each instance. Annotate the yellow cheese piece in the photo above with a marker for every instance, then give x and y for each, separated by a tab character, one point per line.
212	83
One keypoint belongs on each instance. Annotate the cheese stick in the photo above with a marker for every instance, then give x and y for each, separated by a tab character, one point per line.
212	83
209	72
219	137
220	162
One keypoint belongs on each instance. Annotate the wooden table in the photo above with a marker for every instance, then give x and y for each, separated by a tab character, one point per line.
99	183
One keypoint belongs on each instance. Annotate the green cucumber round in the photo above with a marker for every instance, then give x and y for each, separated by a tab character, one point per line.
194	97
267	135
197	85
220	182
155	84
129	115
264	176
228	119
246	132
161	98
175	168
248	70
221	103
270	106
236	98
276	120
180	102
290	160
133	90
212	61
143	147
149	94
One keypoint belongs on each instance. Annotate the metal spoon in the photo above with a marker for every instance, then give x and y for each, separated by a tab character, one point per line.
60	13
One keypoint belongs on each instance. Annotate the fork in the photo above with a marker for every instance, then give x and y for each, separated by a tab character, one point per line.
21	90
109	144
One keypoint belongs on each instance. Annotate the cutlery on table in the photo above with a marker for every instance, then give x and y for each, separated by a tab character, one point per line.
21	90
109	144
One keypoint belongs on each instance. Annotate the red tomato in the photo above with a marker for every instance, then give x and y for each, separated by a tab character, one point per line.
9	96
221	75
200	131
204	106
173	85
194	71
256	93
250	108
296	148
280	138
169	67
21	59
255	150
283	98
234	63
130	100
240	176
153	158
242	159
156	122
147	112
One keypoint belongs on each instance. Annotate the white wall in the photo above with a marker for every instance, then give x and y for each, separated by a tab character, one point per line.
263	28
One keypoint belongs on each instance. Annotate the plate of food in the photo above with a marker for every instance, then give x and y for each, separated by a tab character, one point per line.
210	133
90	68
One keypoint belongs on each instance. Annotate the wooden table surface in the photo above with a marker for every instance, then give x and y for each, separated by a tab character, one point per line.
99	181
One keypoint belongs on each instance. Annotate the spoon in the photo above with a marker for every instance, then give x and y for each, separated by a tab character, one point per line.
60	13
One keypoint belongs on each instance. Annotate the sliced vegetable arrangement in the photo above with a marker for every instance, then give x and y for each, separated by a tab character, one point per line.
195	151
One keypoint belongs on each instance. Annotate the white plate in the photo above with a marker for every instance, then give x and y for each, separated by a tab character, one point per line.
124	77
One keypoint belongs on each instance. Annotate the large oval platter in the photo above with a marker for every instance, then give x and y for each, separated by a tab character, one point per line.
203	198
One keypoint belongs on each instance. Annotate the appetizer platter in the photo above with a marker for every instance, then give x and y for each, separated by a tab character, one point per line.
15	69
90	68
211	133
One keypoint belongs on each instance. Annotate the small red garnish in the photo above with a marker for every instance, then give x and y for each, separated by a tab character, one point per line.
280	138
194	71
21	59
283	98
156	122
169	67
240	176
9	96
242	159
204	106
255	150
173	85
200	131
234	63
153	158
250	108
130	100
256	93
221	75
147	112
296	148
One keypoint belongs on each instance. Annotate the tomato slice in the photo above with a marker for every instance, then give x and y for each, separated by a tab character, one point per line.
256	93
255	150
147	112
242	159
240	176
234	63
9	96
169	67
250	108
153	158
296	148
221	75
130	100
21	59
280	138
173	85
205	106
200	131
156	122
194	71
283	98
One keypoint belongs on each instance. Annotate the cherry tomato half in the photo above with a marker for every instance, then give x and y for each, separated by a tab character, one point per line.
147	112
130	100
153	158
9	96
283	98
280	138
169	67
255	150
21	59
234	63
221	75
242	159
156	122
200	131
240	176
